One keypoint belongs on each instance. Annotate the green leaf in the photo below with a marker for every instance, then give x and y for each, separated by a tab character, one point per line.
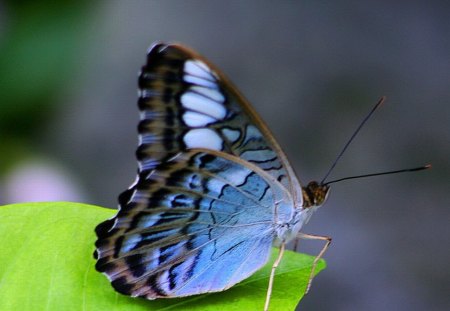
47	264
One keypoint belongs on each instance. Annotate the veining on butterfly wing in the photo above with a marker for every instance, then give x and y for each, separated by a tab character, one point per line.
186	103
214	190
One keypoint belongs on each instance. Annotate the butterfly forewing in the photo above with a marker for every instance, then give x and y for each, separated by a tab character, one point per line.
186	103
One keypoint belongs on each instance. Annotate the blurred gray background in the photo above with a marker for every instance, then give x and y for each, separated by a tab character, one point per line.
312	69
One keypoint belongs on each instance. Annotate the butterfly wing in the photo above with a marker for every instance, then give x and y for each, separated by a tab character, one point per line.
200	222
186	103
212	183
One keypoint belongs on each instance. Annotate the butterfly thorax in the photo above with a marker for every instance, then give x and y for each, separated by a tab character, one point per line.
314	194
290	220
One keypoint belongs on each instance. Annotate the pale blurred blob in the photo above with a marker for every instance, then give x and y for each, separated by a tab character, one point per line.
37	180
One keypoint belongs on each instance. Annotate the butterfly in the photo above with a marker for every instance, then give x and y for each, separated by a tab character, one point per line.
214	191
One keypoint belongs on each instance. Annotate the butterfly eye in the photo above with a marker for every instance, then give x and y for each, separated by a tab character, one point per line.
315	194
321	195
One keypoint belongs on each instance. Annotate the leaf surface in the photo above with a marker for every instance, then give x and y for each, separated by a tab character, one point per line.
46	263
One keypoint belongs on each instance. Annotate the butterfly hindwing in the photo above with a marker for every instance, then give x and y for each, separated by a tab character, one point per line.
200	222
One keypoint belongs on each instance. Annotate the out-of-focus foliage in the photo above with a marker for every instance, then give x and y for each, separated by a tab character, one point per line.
39	42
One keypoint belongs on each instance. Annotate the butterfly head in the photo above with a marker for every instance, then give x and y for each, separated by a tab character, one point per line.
314	194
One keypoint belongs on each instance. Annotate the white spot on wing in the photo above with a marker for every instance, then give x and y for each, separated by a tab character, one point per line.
251	133
195	119
211	93
232	135
203	138
215	186
200	81
198	69
236	176
202	104
197	72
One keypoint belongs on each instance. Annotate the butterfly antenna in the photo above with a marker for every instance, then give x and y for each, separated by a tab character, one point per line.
420	168
380	102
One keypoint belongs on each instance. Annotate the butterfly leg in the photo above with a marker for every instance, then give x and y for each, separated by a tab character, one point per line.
295	248
327	240
272	276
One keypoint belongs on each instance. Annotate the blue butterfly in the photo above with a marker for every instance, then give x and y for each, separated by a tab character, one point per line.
214	190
